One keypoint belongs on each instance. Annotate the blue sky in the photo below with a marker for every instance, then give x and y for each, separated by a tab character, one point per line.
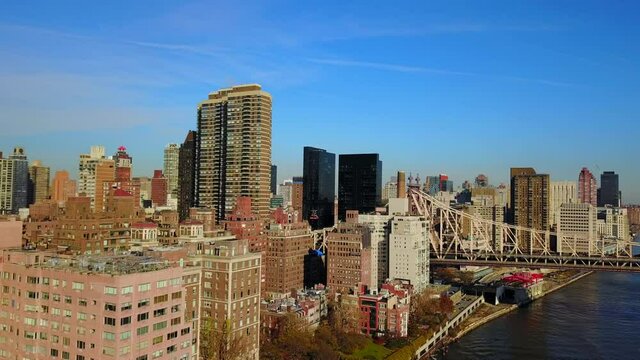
435	87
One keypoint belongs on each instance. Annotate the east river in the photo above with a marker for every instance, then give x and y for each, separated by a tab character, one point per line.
597	317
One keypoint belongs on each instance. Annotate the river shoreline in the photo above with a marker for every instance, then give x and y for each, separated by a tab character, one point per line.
465	328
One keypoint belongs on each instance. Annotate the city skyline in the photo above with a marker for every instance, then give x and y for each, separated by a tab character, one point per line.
476	89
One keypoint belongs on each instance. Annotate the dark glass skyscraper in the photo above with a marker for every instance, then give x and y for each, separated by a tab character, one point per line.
319	187
187	175
20	179
274	179
359	183
609	193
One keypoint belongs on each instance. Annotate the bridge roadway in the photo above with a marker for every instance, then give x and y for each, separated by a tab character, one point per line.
615	264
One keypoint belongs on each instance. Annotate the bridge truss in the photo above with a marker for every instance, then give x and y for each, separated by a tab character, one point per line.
460	238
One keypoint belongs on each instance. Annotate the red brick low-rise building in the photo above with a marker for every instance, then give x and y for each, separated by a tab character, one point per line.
385	312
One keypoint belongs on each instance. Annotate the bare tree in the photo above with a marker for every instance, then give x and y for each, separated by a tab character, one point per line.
344	317
220	343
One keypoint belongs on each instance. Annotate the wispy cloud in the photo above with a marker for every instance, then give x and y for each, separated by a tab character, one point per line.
421	69
385	66
199	50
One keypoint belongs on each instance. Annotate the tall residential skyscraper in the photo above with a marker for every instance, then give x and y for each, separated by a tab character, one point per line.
20	179
38	182
63	187
274	179
318	189
587	187
562	192
529	200
609	189
170	169
187	175
359	183
234	149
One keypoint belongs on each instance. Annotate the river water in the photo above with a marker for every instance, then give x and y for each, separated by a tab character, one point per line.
597	317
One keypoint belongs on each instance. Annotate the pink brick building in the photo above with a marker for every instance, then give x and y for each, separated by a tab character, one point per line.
90	308
587	187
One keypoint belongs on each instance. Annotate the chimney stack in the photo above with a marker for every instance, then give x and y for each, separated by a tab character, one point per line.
402	185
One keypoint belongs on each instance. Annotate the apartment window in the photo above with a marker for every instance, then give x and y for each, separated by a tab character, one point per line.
125	320
172	335
108	336
125	335
80	344
143	357
67	313
160	299
126	290
82	316
126	306
77	286
54	352
176	295
161	284
143	316
109	351
159	312
142	330
125	350
109	290
157	340
160	325
110	307
175	321
82	302
110	321
144	287
68	300
144	302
